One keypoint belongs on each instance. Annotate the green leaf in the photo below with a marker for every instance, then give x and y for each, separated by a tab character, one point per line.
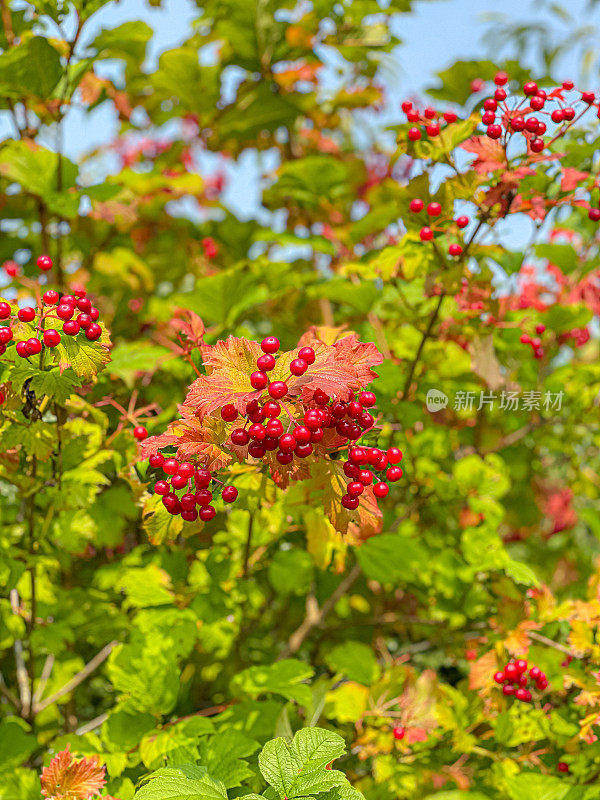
84	357
532	784
56	385
16	744
285	677
390	557
355	660
128	40
186	782
279	766
291	572
317	747
35	168
31	68
160	526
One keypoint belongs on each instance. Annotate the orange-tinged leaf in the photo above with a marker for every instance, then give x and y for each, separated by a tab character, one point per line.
482	671
66	777
193	439
489	154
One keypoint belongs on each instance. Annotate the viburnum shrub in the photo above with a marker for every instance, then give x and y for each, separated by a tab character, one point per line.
303	282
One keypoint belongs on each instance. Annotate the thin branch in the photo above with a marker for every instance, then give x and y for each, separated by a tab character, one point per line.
315	616
77	679
6	692
426	335
550	642
21	669
44	678
92	724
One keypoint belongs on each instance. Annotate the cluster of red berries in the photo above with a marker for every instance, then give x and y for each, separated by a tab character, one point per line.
12	269
356	469
428	119
434	210
196	497
535	342
322	425
531	114
514	680
55	306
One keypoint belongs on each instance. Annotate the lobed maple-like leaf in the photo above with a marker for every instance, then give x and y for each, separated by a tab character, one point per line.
66	777
489	154
190	325
192	438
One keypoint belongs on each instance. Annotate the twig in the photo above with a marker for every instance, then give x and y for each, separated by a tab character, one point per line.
92	724
315	616
6	692
77	679
21	669
550	642
424	338
44	677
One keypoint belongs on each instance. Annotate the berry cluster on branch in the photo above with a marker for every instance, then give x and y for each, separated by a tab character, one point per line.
514	680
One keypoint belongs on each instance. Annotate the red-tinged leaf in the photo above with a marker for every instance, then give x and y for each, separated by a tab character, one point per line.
489	154
229	365
571	178
66	777
189	325
193	439
481	674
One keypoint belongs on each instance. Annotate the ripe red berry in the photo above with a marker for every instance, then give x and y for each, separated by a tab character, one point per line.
93	332
381	489
537	145
303	450
84	304
511	670
406	106
541	128
432	129
462	221
455	250
398	732
530	88
258	380
301	434
189	515
562	766
186	470
94	313
494	131
71	327
188	502
34	346
240	437
542	684
568	113
203	497
207	513
266	362
161	487
521	666
358	455
429	113
65	311
416	205
170	466
6	335
426	234
270	344
508	689
414	134
490	104
367	399
156	460
540	328
434	209
537	102
271	409
499	677
51	337
257	432
179	481
521	694
202	478
557	115
307	354
351	503
594	214
229	413
256	450
26	314
11	268
355	488
588	97
525	339
229	494
287	442
450	117
393	474
274	428
84	320
44	263
278	389
488	117
501	78
298	366
5	310
22	349
50	297
477	85
500	95
517	124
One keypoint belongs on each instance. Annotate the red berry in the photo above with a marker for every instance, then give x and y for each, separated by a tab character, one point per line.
257	432
490	104
381	489
562	766
84	304
358	455
256	450
203	497
494	131
229	494
508	689
568	113
540	328
501	78
188	502
44	263
6	335
71	327
270	344
202	478
178	481
455	250
406	106
394	474
170	466
93	332
462	221
301	434
354	489
156	460
517	124
537	145
84	320
535	673
568	85
26	314
50	297
351	503
94	313
207	513
229	413
161	487
298	366
274	427
284	458
5	310
34	346
429	113
477	85
186	470
11	268
189	515
307	354
266	362
511	670
541	128
500	95
521	694
367	399
499	677
414	134
271	409
594	214
521	666
557	115
537	102
525	339
488	117
258	380
542	684
426	234
65	311
433	129
530	88
450	117
240	437
588	97
22	349
434	209
278	389
398	732
51	337
416	205
321	398
287	442
303	450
